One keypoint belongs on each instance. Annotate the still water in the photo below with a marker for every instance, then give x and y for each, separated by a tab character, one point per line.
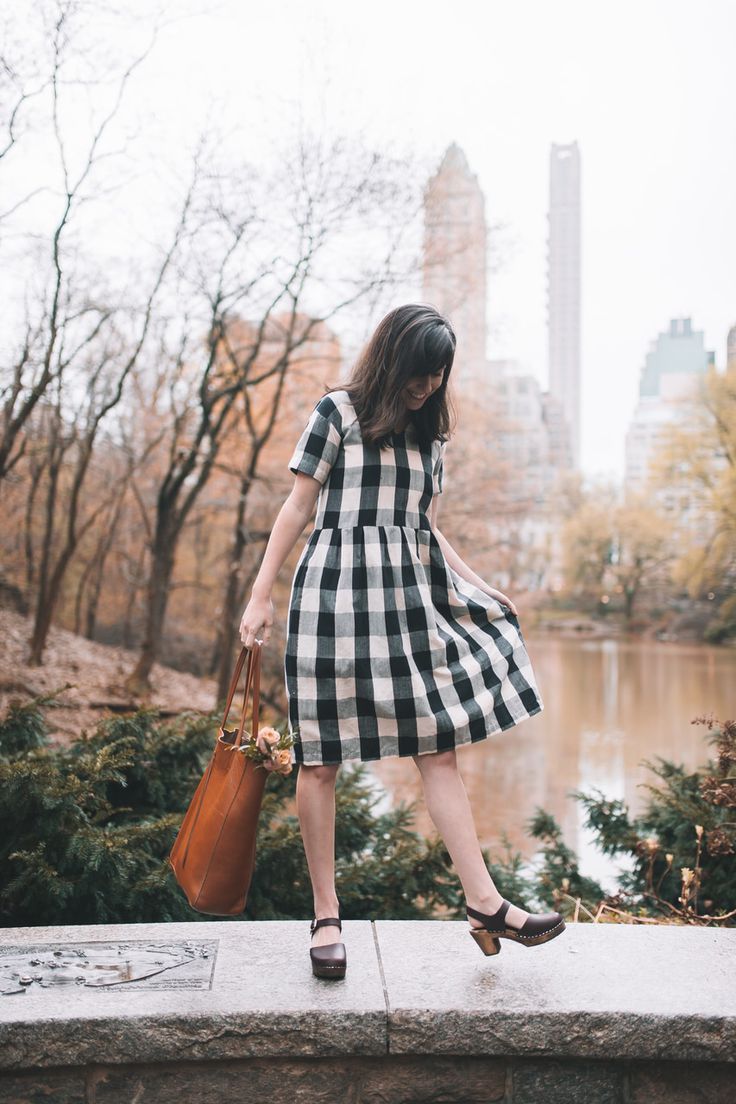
608	705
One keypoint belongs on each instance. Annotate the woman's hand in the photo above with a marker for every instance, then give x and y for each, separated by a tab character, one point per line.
257	616
501	597
467	573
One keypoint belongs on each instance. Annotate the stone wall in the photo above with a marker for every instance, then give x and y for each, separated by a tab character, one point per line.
193	1013
425	1080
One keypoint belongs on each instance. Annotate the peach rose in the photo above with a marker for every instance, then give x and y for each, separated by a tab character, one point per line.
267	738
282	761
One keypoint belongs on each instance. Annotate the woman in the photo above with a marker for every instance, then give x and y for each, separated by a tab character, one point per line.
394	645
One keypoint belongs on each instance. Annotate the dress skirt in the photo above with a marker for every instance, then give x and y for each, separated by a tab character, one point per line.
389	651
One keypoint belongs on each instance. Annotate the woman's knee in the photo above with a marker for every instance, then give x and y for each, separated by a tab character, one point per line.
323	774
436	761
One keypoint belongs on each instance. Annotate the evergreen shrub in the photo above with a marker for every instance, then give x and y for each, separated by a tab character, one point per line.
85	832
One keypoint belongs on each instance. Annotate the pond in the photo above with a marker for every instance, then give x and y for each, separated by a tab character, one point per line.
608	705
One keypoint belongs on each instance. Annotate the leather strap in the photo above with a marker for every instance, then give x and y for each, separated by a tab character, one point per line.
252	677
330	920
496	922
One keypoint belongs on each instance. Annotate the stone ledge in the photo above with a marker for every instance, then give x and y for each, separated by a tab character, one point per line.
261	999
602	992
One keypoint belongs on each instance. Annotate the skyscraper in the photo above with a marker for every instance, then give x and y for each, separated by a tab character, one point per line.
731	350
454	260
563	285
514	441
673	369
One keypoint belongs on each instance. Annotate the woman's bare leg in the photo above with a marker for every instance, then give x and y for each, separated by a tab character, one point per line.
449	808
315	806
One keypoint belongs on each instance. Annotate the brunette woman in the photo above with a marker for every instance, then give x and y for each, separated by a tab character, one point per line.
395	646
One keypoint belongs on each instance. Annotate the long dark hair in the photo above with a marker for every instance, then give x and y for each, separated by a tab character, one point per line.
413	340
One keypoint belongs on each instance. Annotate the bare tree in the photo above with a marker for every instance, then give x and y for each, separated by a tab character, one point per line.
105	369
56	313
92	576
264	254
287	249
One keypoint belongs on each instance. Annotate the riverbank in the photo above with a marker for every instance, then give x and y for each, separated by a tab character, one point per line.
687	625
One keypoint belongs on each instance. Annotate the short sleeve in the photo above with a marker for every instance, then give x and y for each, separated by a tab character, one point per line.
438	471
317	448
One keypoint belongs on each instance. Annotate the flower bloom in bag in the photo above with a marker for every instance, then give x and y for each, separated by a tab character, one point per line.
270	750
268	736
283	758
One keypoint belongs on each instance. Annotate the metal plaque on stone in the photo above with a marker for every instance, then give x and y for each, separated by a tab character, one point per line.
124	965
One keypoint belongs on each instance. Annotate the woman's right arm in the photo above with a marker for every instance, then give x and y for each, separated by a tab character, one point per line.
289	524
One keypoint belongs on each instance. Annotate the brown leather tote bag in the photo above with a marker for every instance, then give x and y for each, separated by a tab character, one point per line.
214	854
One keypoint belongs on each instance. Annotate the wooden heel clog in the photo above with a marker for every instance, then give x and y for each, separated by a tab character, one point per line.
539	927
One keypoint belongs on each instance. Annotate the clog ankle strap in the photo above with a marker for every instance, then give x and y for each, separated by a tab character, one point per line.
329	920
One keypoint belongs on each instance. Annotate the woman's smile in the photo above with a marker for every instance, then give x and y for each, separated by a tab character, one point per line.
420	394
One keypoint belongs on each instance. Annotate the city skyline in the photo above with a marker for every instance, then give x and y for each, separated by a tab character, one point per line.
658	137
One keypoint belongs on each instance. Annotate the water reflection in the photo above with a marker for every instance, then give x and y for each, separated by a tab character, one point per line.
609	704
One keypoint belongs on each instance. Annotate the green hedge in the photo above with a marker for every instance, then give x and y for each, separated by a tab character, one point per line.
85	832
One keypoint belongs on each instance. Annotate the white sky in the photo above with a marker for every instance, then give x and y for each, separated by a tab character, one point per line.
646	87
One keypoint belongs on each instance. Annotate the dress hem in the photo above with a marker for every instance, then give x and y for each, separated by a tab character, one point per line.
463	742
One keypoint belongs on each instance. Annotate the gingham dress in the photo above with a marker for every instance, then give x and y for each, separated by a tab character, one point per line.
389	651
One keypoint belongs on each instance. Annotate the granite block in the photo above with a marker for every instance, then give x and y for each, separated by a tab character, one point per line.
683	1083
566	1082
596	991
262	998
40	1086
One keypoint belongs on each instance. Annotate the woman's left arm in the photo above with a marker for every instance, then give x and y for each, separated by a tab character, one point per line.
459	565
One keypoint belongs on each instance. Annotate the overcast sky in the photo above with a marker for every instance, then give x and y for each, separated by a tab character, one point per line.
646	87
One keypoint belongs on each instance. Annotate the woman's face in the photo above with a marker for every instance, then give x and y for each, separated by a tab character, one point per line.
418	389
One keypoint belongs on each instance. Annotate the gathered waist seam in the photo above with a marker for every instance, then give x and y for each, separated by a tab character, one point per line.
349	528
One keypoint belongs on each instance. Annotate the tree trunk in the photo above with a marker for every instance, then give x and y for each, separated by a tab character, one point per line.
90	619
162	568
46	606
79	597
39	635
130	604
102	551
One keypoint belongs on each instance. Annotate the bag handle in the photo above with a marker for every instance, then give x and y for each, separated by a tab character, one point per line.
252	675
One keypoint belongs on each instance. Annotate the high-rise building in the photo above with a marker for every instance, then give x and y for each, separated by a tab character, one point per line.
563	285
454	261
673	369
559	448
731	350
517	441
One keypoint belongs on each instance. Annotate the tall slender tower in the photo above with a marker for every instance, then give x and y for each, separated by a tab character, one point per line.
563	285
454	260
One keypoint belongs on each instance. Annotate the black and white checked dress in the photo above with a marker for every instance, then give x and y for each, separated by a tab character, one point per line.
389	651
